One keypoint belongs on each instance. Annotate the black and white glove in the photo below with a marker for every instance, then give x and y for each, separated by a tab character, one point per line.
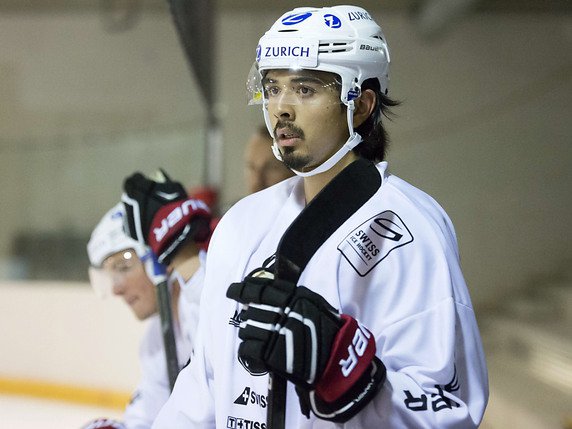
292	331
160	215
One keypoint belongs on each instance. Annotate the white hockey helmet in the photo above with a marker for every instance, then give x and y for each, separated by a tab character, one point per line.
109	238
344	40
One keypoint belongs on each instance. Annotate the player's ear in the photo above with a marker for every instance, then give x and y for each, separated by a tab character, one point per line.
364	106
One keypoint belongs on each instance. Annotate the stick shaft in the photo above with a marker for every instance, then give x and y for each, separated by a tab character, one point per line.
168	331
276	417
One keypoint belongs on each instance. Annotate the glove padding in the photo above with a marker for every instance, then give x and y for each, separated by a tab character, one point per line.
104	424
292	331
159	214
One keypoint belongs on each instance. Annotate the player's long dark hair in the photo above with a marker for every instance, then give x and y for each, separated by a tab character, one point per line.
374	135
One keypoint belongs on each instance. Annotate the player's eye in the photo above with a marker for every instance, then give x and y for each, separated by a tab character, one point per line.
125	266
305	91
272	90
122	268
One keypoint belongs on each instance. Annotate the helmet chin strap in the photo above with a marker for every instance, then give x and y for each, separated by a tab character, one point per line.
351	143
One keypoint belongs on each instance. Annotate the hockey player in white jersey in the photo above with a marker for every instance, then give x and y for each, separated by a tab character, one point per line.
345	281
118	267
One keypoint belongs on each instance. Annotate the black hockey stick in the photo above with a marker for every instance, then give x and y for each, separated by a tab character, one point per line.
165	311
157	273
342	197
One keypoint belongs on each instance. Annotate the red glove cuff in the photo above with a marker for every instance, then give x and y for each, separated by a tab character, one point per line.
213	223
351	355
170	221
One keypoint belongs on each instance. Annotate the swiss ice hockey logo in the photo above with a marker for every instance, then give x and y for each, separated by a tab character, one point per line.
371	242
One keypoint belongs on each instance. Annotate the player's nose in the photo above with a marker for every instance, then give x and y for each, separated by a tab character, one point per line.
283	110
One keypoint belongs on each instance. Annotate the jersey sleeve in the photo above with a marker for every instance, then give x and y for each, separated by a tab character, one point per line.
417	305
190	405
152	390
436	375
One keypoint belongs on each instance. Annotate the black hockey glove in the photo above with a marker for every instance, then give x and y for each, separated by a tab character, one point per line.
160	215
292	331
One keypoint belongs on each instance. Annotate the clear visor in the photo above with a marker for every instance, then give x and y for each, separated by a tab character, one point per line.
101	281
113	271
292	86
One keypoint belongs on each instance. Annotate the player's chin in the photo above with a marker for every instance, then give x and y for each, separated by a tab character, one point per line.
140	311
294	160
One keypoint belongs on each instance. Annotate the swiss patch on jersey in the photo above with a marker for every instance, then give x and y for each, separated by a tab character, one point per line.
368	244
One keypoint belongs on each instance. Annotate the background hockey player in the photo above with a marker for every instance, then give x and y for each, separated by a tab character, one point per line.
261	168
376	329
118	267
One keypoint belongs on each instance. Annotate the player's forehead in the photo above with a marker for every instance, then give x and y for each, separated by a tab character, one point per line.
285	76
119	258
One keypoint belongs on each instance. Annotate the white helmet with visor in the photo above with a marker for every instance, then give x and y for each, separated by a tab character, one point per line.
109	238
343	40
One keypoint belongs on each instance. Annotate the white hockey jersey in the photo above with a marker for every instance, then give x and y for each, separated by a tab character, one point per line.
153	389
393	265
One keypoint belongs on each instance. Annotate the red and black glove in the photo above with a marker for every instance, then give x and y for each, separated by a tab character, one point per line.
293	331
159	214
104	424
